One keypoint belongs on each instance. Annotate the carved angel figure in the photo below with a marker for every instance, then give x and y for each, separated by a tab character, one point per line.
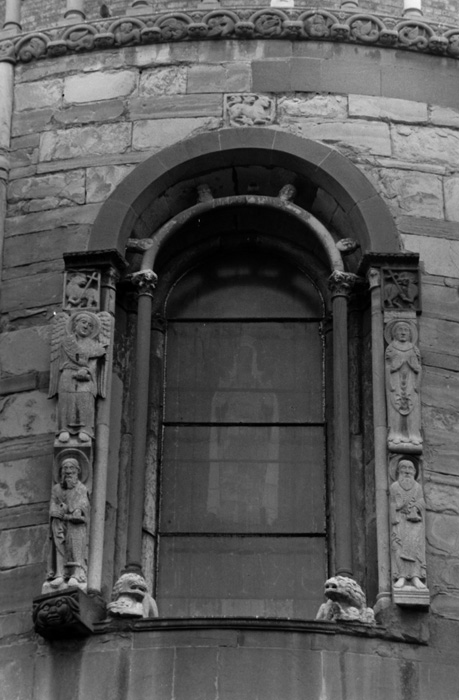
78	351
403	377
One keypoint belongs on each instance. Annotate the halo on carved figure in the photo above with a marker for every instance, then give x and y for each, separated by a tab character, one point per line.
71	453
95	320
389	329
394	464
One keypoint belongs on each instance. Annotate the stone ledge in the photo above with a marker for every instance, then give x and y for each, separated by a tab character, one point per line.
303	24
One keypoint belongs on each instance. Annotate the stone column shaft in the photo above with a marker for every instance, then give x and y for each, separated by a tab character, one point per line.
145	280
74	11
340	284
12	22
380	438
102	430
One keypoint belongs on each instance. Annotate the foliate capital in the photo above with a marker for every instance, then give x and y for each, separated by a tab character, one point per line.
145	281
342	283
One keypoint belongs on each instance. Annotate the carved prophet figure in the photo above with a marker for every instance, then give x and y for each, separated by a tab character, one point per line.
78	352
69	518
403	377
407	507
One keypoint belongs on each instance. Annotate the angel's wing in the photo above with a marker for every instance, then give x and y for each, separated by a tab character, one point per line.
105	338
58	335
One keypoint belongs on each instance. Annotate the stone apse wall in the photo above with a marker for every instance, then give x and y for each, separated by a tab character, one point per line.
81	124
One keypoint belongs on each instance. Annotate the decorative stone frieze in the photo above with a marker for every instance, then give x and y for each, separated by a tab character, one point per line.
400	289
249	110
306	24
346	602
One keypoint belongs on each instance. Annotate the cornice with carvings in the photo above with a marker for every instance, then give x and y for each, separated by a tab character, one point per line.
313	24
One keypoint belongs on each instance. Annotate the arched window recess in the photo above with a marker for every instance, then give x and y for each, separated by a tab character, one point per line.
312	249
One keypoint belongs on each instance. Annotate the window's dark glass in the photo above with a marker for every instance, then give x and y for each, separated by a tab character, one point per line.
242	527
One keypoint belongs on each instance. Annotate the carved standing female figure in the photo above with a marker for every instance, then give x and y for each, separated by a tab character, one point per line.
403	376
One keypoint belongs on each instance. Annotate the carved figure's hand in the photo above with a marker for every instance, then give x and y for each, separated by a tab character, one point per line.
83	375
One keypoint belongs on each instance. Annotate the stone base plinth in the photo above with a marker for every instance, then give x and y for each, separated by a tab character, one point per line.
409	596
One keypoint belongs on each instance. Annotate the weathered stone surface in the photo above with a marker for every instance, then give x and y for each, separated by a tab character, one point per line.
439	301
439	256
71	143
17	670
158	133
30	292
17	588
90	161
428	227
25	350
443	534
45	93
26	481
426	144
30	413
444	116
48	191
439	335
106	85
328	106
45	221
93	112
23	545
452	198
164	80
24	516
446	605
441	497
15	623
202	105
410	192
370	137
81	62
43	246
100	182
387	108
236	77
31	122
440	419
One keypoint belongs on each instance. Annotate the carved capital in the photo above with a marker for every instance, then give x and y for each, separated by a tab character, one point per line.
341	284
68	613
145	282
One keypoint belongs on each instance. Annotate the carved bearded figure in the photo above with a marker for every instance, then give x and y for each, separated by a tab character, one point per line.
403	376
69	518
79	347
407	508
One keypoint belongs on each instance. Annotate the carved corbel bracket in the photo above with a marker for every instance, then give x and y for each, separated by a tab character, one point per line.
67	613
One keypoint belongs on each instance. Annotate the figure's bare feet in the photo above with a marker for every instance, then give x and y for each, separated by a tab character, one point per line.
84	437
400	582
417	583
64	436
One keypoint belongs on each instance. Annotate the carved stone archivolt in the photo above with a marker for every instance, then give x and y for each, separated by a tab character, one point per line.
304	24
346	601
249	110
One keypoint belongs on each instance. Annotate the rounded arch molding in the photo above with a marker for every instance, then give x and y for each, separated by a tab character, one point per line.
368	218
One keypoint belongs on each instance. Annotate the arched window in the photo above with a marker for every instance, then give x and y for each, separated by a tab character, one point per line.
242	515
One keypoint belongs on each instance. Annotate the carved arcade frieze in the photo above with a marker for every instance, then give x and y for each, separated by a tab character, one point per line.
304	24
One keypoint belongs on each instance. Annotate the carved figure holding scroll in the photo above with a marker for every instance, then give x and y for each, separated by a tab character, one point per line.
78	351
403	377
407	507
69	518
